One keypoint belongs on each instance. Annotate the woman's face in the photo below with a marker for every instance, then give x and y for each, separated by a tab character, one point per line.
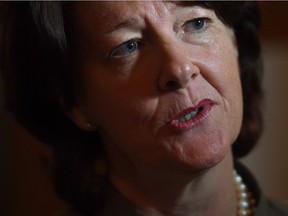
160	82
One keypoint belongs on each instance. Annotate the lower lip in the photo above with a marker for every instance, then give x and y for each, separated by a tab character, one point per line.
206	105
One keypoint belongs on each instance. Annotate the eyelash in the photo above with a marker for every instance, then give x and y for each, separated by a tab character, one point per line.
204	21
120	51
135	44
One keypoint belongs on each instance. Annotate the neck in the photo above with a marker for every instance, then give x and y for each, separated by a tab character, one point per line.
178	193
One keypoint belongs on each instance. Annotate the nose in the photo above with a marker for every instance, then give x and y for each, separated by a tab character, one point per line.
177	69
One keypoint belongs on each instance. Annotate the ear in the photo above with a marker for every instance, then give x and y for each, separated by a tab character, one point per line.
81	119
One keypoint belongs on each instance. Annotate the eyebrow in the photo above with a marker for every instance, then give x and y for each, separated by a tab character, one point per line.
132	21
186	3
123	24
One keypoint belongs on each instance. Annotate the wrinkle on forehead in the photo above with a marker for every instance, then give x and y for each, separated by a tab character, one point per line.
115	15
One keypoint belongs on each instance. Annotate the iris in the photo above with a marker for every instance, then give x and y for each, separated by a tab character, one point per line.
126	48
198	24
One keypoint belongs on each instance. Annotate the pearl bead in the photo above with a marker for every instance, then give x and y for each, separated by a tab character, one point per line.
246	203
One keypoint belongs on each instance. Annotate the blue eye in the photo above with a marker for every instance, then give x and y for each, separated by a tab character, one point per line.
126	48
197	24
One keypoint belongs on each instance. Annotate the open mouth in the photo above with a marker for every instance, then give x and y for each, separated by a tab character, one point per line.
190	115
193	116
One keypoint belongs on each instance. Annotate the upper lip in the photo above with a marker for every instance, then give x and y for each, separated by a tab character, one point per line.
202	103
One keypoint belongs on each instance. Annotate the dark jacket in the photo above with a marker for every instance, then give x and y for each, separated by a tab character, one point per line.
116	204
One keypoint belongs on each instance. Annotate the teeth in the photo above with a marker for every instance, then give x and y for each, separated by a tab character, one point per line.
188	116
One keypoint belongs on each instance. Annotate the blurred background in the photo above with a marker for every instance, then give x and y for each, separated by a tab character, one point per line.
25	188
269	160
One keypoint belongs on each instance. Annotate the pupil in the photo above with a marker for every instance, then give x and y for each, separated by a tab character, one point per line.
198	24
131	46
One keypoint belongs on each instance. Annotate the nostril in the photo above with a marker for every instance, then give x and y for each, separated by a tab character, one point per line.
171	84
194	75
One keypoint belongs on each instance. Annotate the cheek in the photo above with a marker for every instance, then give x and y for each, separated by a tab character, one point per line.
114	106
225	79
225	70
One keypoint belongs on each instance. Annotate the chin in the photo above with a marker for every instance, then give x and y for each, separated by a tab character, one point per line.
212	160
206	155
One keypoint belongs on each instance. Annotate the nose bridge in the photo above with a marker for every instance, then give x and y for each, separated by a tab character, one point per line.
174	53
177	68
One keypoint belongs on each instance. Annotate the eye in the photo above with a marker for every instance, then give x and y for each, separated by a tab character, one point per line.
196	24
126	48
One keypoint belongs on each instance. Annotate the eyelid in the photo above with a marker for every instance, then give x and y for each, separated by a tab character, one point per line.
207	20
117	48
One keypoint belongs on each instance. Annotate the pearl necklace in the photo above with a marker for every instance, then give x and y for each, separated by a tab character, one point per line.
246	203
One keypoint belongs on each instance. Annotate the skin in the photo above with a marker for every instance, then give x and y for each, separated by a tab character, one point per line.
131	97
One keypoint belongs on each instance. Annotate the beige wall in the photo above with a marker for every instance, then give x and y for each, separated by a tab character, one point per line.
269	161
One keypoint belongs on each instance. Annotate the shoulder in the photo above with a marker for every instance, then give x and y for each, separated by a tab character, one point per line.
270	207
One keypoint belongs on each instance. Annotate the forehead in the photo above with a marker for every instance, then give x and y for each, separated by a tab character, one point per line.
111	15
104	8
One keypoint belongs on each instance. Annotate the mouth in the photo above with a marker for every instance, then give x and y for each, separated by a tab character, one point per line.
192	116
